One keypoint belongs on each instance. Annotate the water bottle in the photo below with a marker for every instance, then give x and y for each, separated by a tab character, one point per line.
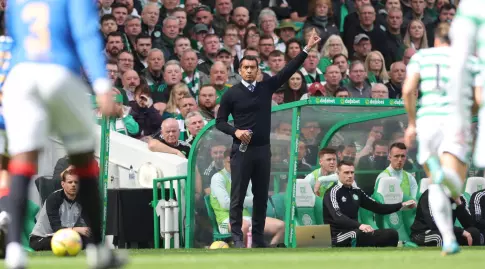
249	241
132	176
243	147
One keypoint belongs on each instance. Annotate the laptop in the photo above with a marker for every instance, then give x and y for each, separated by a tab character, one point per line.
313	236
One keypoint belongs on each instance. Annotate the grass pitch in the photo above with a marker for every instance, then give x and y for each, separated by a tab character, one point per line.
390	258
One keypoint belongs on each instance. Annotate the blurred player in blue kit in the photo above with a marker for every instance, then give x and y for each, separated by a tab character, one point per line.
44	93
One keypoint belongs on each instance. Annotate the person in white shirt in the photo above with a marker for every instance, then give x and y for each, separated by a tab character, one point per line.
397	157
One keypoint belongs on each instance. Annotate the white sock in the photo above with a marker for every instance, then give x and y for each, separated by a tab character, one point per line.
15	256
453	182
441	211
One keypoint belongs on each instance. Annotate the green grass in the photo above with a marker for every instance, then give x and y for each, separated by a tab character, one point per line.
395	258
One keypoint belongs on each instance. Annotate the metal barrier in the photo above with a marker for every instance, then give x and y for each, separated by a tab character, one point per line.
167	214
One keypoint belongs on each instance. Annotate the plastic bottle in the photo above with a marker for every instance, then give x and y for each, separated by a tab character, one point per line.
249	241
243	146
132	176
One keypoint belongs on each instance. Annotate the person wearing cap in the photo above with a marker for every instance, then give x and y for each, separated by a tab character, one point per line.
198	33
362	47
203	15
249	103
224	55
322	18
315	89
286	31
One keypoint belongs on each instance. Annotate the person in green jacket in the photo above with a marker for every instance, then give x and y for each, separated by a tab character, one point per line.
331	48
220	201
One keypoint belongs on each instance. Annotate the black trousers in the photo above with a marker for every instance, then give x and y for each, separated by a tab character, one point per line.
357	238
39	243
432	238
254	165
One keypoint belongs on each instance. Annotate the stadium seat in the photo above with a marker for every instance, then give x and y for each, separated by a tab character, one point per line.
216	235
389	192
276	206
309	207
367	217
472	185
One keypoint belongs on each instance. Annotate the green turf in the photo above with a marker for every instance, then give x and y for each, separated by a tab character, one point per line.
396	258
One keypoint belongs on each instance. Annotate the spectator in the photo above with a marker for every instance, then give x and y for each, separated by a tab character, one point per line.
114	45
143	112
220	188
342	93
60	210
294	89
130	81
417	13
150	16
240	17
375	134
343	216
124	122
167	8
311	73
310	134
375	66
394	39
181	15
198	34
397	156
105	6
119	11
379	91
301	165
358	86
293	48
278	97
108	25
210	49
204	16
231	43
143	46
254	6
112	69
172	75
207	102
168	140
191	76
333	79
347	153
341	61
331	48
223	9
266	46
394	86
408	53
153	73
194	123
424	231
362	47
125	62
322	18
415	35
371	164
219	79
267	22
174	103
251	38
315	90
132	30
353	17
224	55
209	167
130	5
286	31
446	14
166	40
189	7
181	44
276	62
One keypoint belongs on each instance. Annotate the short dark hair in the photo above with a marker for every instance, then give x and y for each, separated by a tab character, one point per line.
447	7
344	162
249	58
326	151
142	36
266	37
398	145
276	53
107	17
205	86
251	49
118	5
380	142
114	34
180	37
442	32
178	9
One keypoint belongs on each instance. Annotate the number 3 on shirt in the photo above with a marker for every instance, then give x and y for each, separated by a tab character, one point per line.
37	16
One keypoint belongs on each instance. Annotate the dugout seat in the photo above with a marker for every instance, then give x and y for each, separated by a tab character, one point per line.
473	184
389	192
216	235
309	207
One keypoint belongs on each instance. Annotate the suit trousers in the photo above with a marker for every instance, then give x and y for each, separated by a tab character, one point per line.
254	165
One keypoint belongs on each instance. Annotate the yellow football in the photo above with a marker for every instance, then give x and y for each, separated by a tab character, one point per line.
218	245
66	242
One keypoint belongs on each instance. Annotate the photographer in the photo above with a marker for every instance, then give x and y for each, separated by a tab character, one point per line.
143	112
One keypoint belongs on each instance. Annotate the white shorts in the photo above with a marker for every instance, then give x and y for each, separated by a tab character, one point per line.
436	135
224	226
44	99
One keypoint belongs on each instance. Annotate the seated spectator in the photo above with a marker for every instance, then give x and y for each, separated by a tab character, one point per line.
358	85
181	44
286	31
219	79
143	112
397	155
266	46
207	102
477	210
172	75
362	47
370	165
375	66
112	70
210	49
394	37
130	81
333	78
231	42
311	73
60	210
143	47
394	86
224	56
220	201
408	53
379	91
342	93
194	122
276	62
347	152
315	90
311	133
278	96
294	47
114	45
191	76
416	35
132	30
417	13
294	89
124	123
331	48
153	74
342	62
126	62
209	166
424	231
168	141
340	209
322	18
301	165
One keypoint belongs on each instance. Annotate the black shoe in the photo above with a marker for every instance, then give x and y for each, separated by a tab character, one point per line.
279	245
259	245
239	244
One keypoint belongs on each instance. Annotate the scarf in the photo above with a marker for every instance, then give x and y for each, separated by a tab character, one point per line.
161	88
320	21
309	79
194	83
